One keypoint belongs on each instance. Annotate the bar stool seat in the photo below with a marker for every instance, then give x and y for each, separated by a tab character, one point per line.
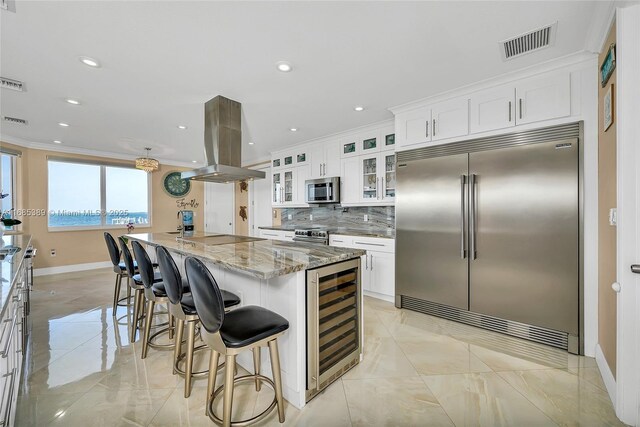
160	291
157	277
247	325
230	300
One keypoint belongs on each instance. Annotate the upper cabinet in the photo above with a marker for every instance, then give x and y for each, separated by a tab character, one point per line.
325	160
542	97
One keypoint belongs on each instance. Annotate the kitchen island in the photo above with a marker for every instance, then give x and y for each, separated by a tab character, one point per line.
274	274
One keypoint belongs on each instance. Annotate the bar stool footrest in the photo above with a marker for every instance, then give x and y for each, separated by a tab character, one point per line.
199	374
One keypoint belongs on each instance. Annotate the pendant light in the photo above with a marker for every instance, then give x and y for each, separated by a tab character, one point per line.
146	163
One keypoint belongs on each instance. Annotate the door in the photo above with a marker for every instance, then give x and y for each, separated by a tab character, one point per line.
260	202
369	178
450	119
288	184
276	188
218	208
350	179
388	178
414	127
301	175
431	263
332	159
317	161
492	109
524	217
543	98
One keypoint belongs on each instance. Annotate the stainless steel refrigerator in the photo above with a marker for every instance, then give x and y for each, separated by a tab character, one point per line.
488	232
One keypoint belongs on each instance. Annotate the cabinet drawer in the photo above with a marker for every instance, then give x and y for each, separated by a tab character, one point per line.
271	234
340	241
374	244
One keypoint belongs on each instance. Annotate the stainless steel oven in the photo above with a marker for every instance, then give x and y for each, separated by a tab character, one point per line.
323	190
334	338
311	235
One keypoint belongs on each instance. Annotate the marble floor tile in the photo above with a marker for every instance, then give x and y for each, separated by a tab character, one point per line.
417	370
565	398
393	402
440	355
382	358
484	399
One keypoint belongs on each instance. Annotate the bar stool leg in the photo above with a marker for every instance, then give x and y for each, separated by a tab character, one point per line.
147	328
172	323
116	294
227	402
134	321
177	349
188	369
277	380
213	373
256	366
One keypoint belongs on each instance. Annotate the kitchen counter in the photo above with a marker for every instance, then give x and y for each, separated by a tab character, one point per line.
345	231
16	245
260	258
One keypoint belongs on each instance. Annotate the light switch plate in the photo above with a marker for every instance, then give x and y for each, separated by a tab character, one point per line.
310	217
366	218
613	217
289	216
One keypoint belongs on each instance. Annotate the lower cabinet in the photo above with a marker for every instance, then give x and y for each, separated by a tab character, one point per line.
379	265
276	235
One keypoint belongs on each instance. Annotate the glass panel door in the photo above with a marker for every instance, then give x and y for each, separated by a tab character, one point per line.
288	186
277	188
390	176
369	178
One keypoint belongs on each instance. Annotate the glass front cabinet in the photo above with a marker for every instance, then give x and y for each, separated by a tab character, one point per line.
378	177
276	188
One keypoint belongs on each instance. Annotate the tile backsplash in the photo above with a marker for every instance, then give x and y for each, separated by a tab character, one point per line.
380	218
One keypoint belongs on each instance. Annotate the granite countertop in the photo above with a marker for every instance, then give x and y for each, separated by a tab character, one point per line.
10	266
345	231
261	258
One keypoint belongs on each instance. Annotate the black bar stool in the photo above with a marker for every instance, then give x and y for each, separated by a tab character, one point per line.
120	270
228	334
155	293
136	284
184	311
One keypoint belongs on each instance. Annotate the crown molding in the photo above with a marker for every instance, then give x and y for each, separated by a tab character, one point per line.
603	18
87	152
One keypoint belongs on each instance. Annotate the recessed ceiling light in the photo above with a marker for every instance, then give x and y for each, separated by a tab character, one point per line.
182	127
284	66
73	101
89	61
64	125
358	108
194	161
57	141
251	143
293	129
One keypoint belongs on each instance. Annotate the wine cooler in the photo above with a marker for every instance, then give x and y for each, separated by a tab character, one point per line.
334	339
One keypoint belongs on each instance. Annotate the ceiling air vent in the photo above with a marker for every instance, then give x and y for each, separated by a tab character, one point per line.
528	42
14	120
6	83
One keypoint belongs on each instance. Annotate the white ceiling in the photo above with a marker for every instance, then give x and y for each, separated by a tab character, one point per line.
162	60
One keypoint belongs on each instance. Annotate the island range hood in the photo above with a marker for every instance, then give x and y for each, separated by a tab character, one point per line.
222	144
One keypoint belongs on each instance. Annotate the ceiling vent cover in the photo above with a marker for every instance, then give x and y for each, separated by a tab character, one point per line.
14	120
528	42
6	83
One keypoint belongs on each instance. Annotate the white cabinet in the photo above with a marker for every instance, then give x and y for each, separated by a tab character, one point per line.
530	100
276	234
325	160
350	181
378	268
413	127
287	186
543	97
492	109
377	178
450	119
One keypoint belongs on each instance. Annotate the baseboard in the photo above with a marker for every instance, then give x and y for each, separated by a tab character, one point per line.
607	376
383	297
71	268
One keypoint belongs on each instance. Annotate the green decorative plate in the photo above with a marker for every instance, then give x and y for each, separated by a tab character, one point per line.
175	186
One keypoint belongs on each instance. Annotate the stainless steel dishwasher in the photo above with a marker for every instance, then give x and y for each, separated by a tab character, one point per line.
334	337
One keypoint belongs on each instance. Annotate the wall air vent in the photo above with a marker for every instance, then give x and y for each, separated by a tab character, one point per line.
528	42
6	83
14	120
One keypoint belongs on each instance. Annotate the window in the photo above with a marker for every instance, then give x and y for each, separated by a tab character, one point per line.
90	195
7	185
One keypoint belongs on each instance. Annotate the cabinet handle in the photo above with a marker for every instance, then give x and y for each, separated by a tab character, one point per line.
366	261
426	132
324	169
7	414
5	350
382	193
509	111
434	127
370	244
320	167
371	262
520	106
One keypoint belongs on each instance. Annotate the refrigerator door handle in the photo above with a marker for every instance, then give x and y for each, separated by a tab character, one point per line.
463	182
472	214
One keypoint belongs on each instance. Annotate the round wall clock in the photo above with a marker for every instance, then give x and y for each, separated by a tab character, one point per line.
175	186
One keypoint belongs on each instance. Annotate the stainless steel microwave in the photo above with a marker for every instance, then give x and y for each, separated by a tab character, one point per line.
323	190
